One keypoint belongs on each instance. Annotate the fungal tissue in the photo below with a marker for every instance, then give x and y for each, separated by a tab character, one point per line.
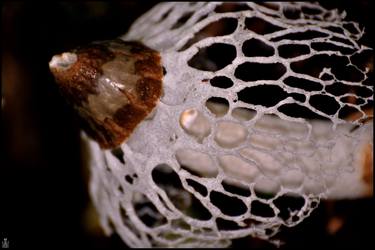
264	110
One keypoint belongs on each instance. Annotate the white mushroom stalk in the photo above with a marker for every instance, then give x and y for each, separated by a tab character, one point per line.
336	163
223	120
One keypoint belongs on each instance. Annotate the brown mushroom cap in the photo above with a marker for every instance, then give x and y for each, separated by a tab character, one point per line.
112	84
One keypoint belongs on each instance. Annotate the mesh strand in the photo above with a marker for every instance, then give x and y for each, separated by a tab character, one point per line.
228	152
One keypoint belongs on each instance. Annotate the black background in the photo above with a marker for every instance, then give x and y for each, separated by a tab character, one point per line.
43	182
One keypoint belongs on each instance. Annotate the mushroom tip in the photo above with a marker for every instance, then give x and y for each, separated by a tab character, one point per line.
63	61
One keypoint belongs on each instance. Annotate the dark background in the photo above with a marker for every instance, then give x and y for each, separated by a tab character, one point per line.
44	197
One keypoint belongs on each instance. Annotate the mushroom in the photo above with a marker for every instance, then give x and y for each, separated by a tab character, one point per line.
258	102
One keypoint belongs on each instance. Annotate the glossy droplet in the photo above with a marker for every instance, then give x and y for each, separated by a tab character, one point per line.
195	123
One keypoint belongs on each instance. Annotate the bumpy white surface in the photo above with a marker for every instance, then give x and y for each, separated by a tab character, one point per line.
146	194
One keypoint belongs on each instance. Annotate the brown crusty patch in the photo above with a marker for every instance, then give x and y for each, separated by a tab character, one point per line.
367	153
357	115
79	81
367	166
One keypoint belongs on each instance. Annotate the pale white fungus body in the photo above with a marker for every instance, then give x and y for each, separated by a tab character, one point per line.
203	171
